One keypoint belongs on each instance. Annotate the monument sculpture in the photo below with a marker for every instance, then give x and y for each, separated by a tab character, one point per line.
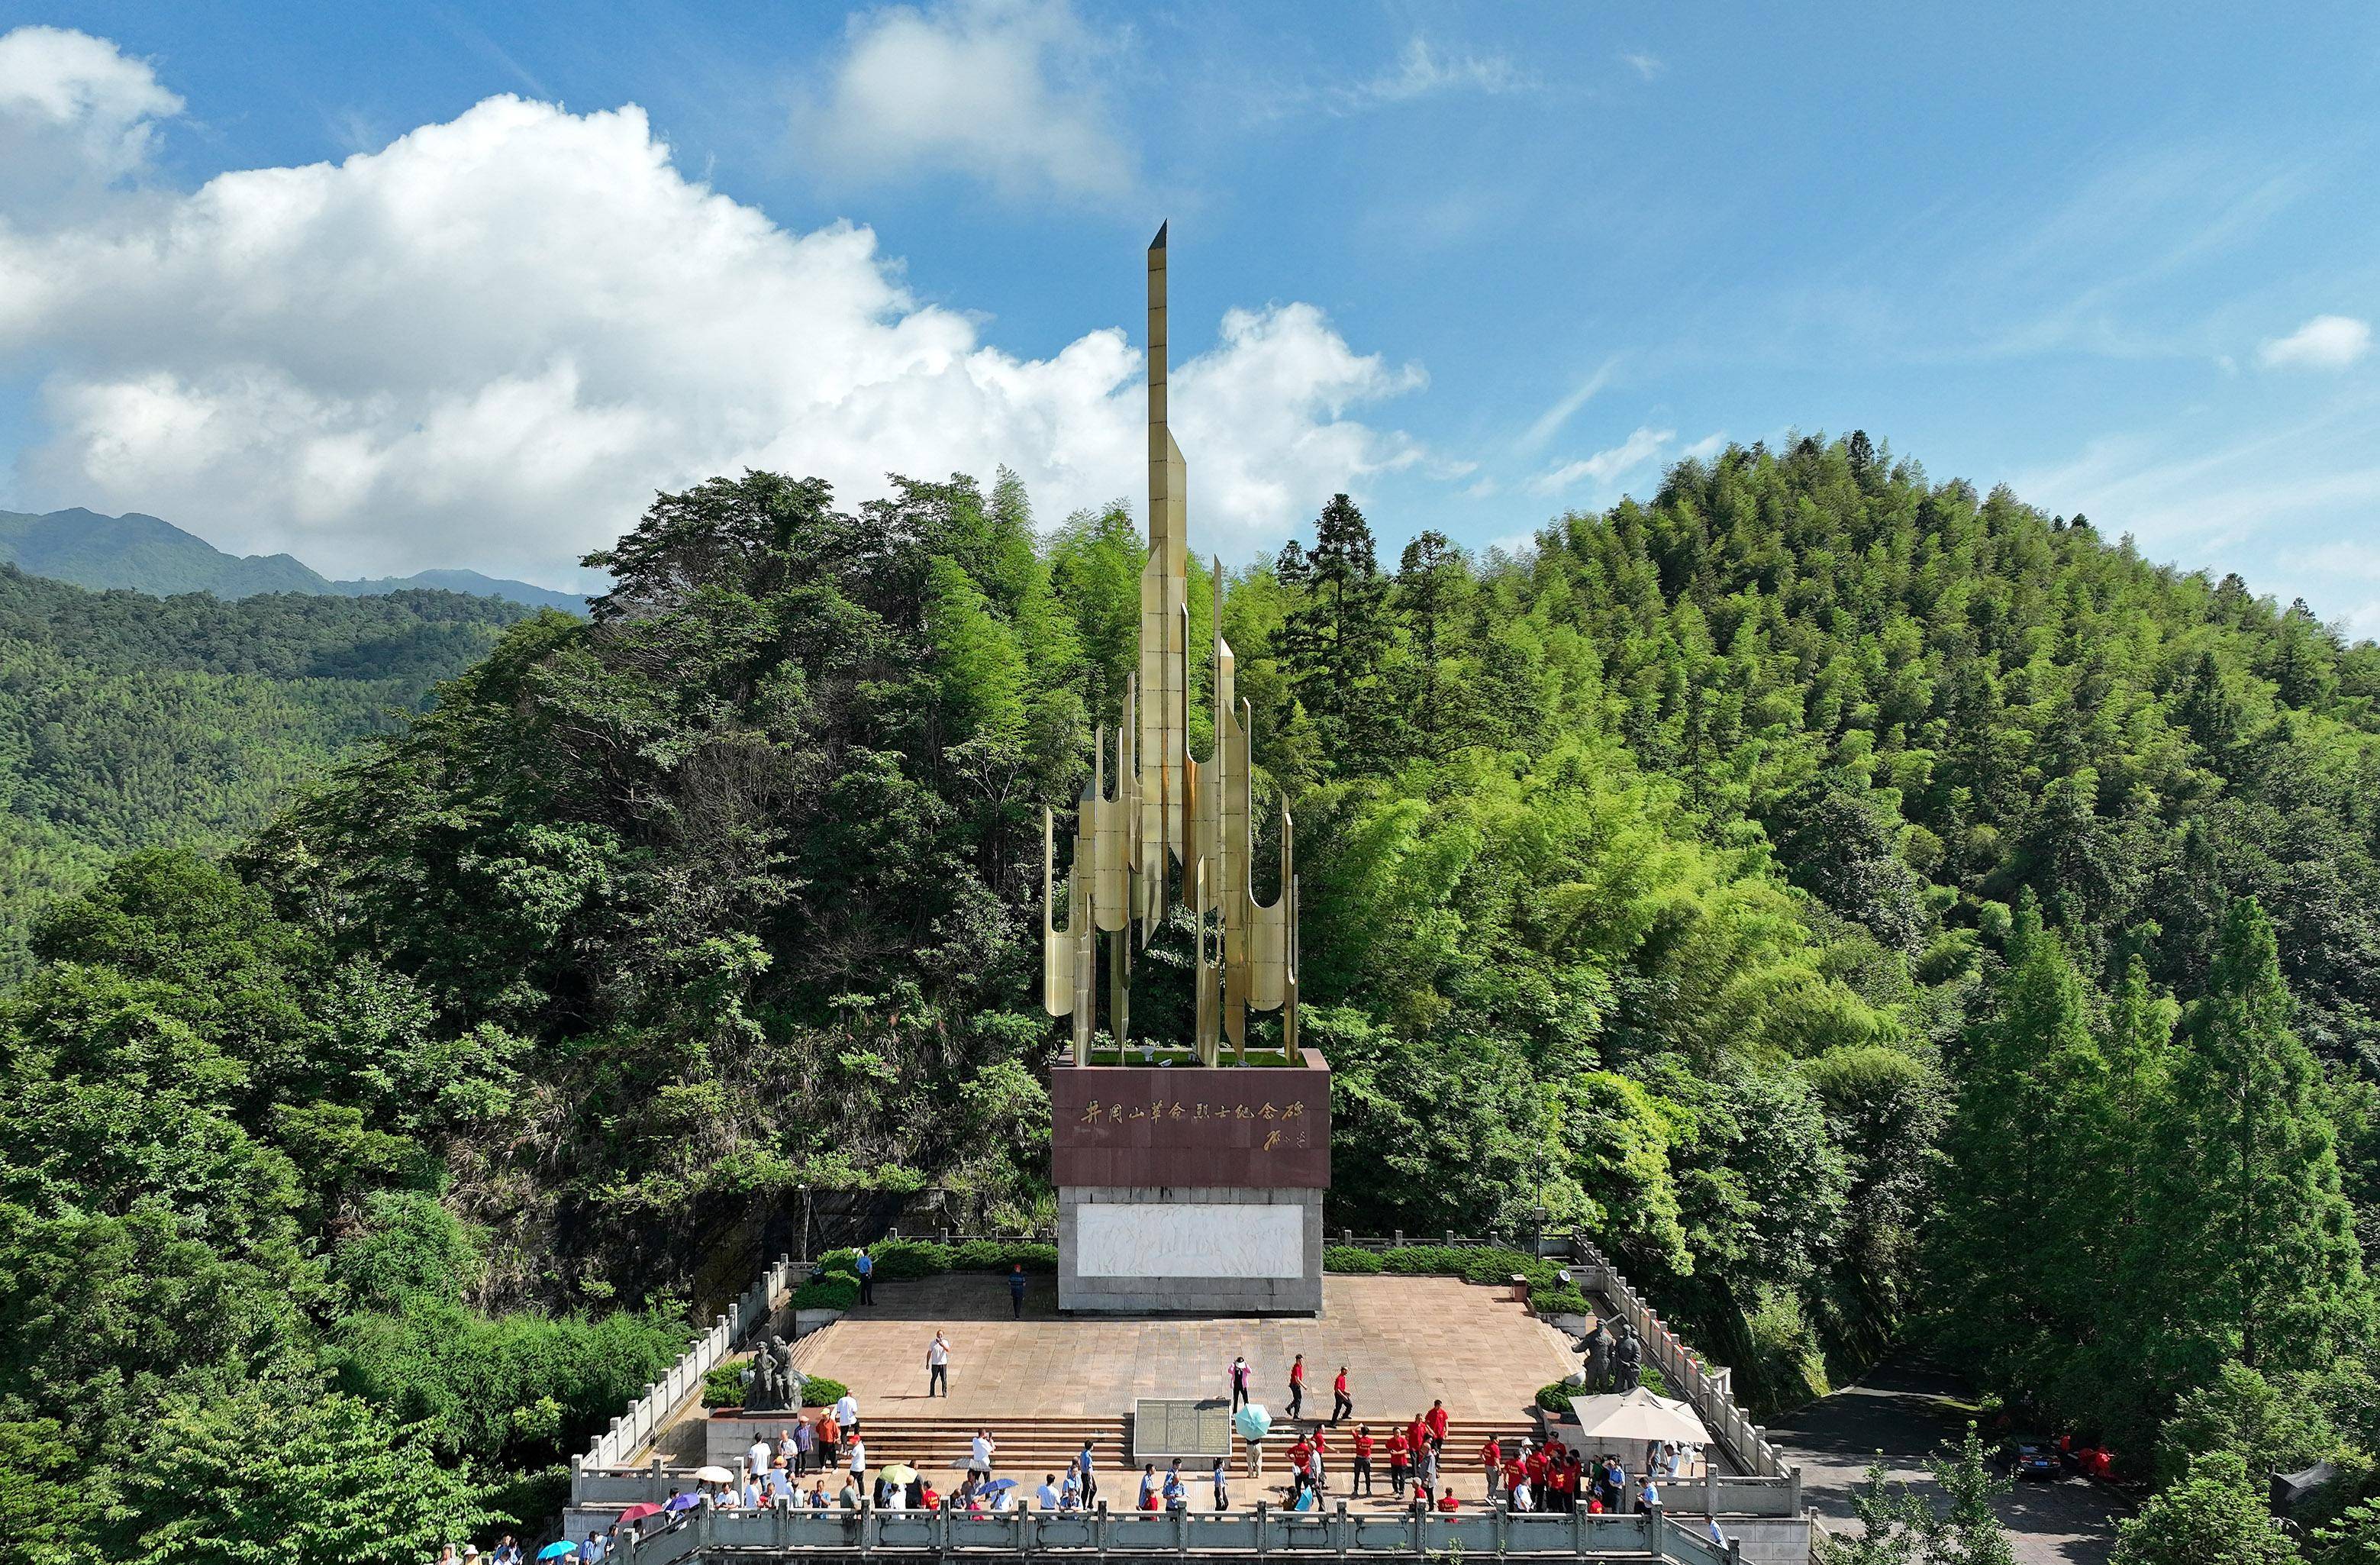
1175	824
772	1384
1196	1187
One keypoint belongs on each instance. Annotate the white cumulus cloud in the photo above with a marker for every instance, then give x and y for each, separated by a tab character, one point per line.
489	342
76	116
2327	342
1007	90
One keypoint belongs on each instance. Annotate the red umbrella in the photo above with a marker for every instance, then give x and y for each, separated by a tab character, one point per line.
638	1512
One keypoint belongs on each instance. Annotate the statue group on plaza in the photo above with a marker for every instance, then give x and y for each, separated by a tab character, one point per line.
772	1384
1615	1360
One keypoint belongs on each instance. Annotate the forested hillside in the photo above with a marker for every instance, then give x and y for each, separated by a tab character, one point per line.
1869	907
127	720
147	554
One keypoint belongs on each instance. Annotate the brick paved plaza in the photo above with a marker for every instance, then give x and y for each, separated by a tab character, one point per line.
1403	1338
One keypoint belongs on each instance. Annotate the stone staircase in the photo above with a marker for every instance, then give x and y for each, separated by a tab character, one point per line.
1025	1449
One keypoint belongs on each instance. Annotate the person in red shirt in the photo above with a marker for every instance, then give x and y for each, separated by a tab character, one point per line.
1491	1457
1562	1483
1361	1482
1515	1475
1448	1502
1342	1404
1437	1424
1400	1463
1416	1434
1299	1454
1296	1386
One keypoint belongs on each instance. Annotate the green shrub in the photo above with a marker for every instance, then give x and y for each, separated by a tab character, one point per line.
1348	1258
903	1259
998	1255
822	1391
835	1290
1555	1397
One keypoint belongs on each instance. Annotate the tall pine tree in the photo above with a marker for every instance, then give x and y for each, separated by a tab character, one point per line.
2246	1247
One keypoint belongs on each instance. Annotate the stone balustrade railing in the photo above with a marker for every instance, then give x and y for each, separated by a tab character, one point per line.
649	1413
1707	1391
1256	1535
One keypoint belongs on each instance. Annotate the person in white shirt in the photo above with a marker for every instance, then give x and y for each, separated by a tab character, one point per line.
1045	1497
979	1454
938	1366
750	1499
1004	1500
858	1458
759	1455
846	1414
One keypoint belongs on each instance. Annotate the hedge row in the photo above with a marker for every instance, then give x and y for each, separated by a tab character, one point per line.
835	1290
897	1259
1548	1294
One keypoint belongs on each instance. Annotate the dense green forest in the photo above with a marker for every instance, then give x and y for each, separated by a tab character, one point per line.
129	721
1873	909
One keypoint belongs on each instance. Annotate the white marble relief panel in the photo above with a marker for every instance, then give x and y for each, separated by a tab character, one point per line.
1159	1238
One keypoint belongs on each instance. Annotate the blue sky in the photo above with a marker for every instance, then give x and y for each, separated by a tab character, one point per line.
283	273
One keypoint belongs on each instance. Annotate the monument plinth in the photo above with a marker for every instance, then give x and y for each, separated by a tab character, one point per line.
1192	1186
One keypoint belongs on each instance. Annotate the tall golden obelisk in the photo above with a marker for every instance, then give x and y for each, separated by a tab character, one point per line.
1176	827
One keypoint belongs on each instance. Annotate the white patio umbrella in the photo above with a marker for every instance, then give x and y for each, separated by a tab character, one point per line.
1638	1415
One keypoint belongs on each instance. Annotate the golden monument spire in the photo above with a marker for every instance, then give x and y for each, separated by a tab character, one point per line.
1169	809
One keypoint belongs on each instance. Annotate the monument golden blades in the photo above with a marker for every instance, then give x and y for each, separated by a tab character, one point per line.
1169	811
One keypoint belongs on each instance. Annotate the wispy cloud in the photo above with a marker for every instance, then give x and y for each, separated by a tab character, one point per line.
468	34
1552	421
1607	467
2327	342
1643	65
1423	70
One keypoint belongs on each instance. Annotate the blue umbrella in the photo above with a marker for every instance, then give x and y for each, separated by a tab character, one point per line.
998	1484
681	1502
1254	1422
556	1551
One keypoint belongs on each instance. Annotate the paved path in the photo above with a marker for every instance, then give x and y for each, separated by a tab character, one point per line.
1899	1410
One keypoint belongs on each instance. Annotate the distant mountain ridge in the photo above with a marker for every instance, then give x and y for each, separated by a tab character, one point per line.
148	555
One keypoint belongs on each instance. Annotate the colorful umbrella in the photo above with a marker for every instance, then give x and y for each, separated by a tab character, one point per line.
681	1502
899	1473
1254	1422
640	1512
556	1551
997	1485
714	1476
